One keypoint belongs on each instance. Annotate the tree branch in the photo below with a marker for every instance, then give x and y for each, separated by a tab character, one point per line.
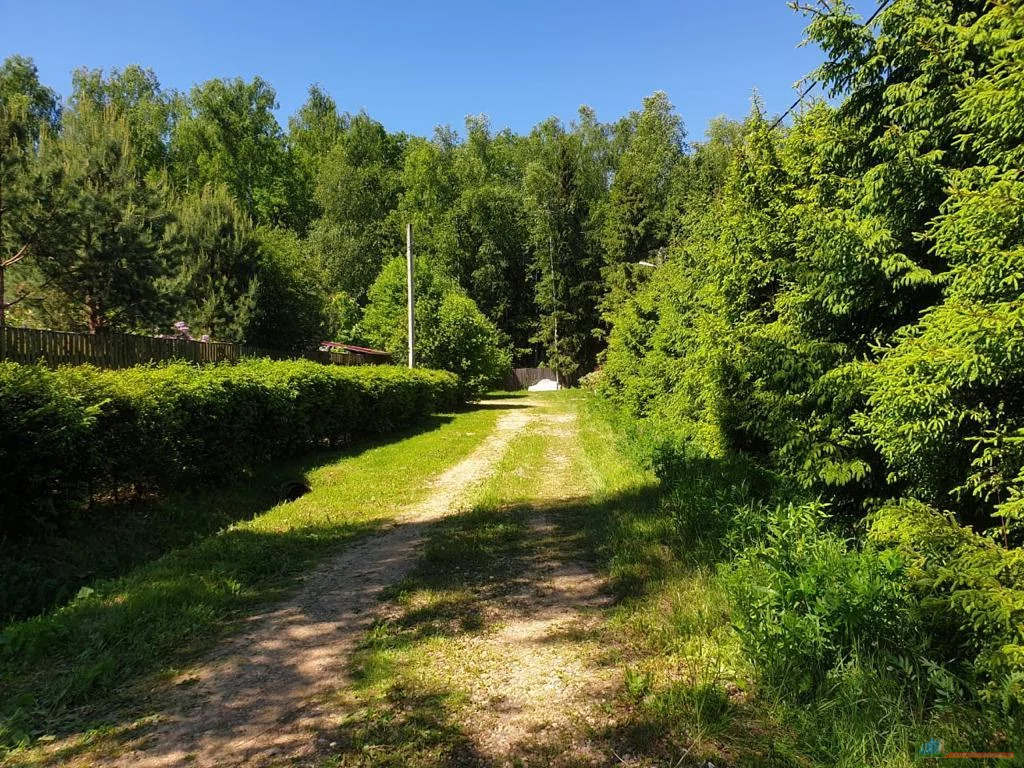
28	294
21	254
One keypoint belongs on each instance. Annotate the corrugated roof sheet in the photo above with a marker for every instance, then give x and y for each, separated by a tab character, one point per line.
336	345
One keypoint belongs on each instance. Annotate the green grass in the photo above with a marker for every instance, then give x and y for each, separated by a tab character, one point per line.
61	671
42	573
688	692
669	632
402	710
689	688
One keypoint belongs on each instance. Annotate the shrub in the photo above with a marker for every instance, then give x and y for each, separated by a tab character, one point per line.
971	591
452	334
466	343
804	599
41	426
82	431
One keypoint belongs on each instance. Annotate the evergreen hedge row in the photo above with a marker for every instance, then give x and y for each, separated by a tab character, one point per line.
82	432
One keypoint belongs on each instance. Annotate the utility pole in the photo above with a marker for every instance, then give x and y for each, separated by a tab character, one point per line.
409	274
3	312
554	299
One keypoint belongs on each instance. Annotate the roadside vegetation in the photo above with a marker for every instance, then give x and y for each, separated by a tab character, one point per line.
666	659
756	635
81	435
800	465
75	667
826	371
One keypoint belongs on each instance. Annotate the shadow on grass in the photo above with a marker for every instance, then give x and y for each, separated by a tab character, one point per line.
405	727
487	557
70	668
478	569
42	573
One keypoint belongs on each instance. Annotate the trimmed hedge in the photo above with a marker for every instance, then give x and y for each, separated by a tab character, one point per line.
81	432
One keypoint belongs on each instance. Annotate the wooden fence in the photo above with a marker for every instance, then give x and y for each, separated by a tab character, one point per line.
317	356
524	378
108	349
123	350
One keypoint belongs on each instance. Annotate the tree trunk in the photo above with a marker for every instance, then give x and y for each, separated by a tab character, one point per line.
3	313
95	317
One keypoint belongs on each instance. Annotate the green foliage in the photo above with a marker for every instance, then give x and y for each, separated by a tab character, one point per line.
565	181
71	666
341	318
971	593
113	250
844	303
226	133
289	311
218	281
31	215
384	322
42	429
451	332
517	221
312	133
20	89
135	94
357	187
466	343
642	210
804	600
161	428
841	304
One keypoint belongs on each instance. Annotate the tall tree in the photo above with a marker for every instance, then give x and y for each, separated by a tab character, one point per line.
290	312
358	188
216	283
21	90
228	134
135	94
29	215
564	182
640	214
312	132
114	250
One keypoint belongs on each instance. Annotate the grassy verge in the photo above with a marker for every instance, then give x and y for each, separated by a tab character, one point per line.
688	695
685	689
40	574
692	693
61	671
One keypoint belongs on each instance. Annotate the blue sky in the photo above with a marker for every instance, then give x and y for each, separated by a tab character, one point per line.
416	65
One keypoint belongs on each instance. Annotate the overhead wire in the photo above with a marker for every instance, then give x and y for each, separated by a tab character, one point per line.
814	83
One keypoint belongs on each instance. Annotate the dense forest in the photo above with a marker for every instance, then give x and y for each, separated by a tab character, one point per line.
133	207
841	306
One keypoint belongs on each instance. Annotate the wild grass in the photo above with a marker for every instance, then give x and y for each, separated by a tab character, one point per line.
695	694
60	671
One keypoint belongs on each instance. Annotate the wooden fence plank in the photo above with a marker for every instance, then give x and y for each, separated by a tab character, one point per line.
122	350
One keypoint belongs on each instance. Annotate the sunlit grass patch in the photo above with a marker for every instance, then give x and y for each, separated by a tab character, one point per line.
67	669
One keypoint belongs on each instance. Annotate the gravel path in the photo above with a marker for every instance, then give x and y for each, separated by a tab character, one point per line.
537	685
253	702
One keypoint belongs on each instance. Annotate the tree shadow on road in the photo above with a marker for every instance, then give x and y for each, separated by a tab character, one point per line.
484	563
44	572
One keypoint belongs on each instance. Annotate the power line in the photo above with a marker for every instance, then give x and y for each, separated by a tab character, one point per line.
814	83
